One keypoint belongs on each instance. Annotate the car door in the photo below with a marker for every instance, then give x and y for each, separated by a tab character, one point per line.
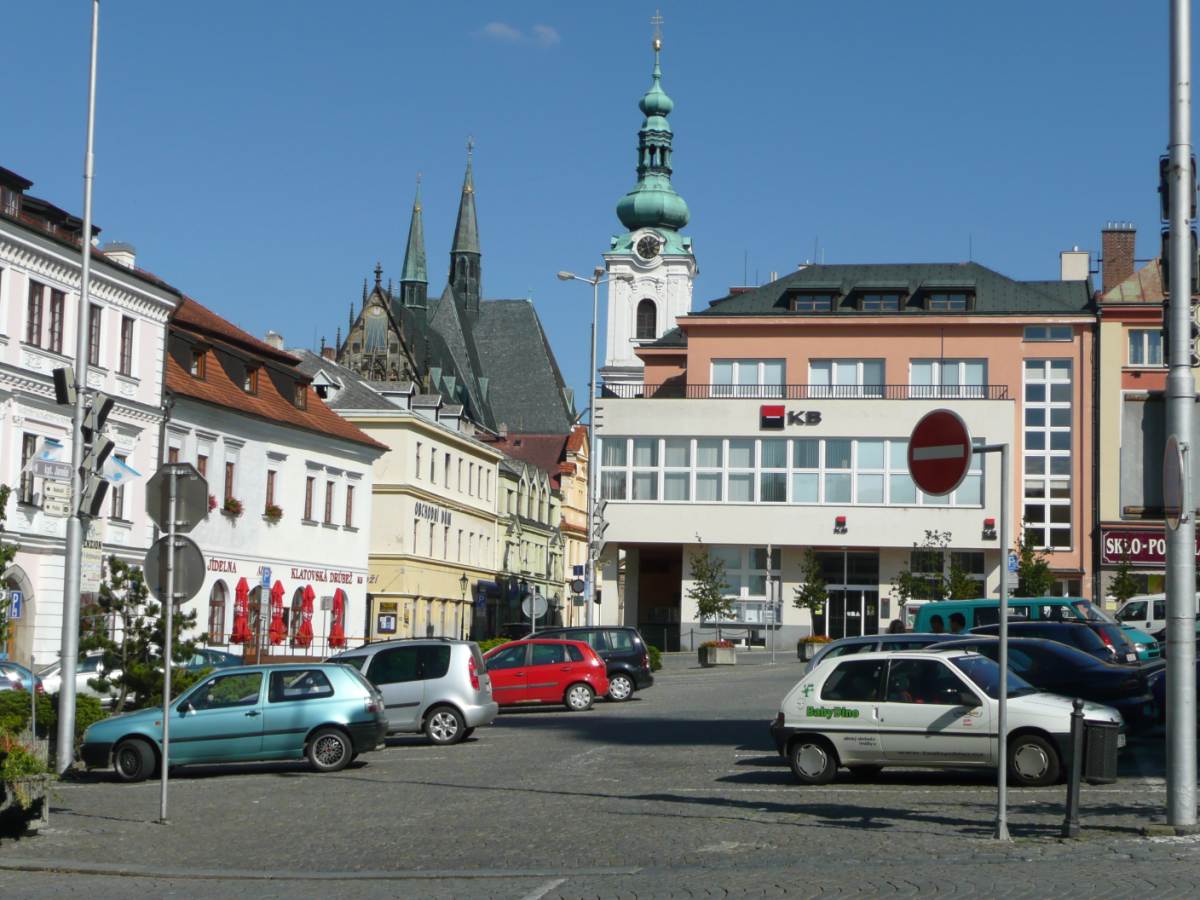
296	701
509	673
549	671
846	709
395	672
923	718
623	649
221	720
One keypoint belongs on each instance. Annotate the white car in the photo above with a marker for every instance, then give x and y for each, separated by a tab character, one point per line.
91	666
923	709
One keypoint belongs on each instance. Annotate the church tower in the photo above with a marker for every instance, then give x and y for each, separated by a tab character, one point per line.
414	279
651	266
464	252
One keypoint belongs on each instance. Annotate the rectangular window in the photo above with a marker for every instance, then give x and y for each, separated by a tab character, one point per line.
845	378
301	396
95	322
947	378
813	303
445	542
29	444
1048	444
1145	347
746	573
33	314
270	488
58	303
645	468
117	511
349	506
458	484
418	469
173	455
1047	333
328	503
955	301
772	473
230	472
747	378
201	464
309	487
126	367
250	381
198	364
446	470
879	303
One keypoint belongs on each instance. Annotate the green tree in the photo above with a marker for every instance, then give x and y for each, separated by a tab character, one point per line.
8	551
128	627
810	593
1034	578
1124	585
927	583
709	587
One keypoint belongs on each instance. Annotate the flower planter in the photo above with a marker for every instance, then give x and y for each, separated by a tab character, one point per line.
717	656
806	650
24	804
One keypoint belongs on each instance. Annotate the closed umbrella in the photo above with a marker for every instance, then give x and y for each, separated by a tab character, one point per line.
241	614
277	629
337	630
304	633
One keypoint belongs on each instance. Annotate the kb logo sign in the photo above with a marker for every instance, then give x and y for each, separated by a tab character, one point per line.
774	417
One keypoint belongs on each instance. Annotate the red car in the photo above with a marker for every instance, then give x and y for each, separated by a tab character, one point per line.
546	671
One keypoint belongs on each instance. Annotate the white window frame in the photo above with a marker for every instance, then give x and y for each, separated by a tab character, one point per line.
939	370
1142	337
853	369
752	378
1049	376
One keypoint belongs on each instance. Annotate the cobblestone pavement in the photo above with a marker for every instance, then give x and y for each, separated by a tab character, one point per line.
676	793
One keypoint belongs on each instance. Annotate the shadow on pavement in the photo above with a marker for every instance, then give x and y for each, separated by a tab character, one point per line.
741	734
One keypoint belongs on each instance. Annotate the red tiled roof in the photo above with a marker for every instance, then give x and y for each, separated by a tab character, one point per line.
575	438
219	389
1143	286
545	451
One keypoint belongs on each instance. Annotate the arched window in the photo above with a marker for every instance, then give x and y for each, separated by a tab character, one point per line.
647	320
216	613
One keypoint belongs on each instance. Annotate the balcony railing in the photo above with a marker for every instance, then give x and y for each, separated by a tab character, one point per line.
675	391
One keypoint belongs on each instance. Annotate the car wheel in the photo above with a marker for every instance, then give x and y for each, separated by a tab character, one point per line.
579	697
1032	761
865	771
812	760
329	750
444	726
620	687
133	760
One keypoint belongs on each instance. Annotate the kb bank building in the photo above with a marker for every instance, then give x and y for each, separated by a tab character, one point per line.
776	420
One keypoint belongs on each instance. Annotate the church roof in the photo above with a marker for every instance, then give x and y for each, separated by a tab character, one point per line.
414	254
466	229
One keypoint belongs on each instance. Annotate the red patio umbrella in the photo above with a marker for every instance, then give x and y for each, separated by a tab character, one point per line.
241	614
277	628
337	630
304	633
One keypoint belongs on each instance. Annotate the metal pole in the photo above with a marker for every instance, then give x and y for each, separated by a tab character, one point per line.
69	648
1181	392
1070	825
169	609
592	461
1002	717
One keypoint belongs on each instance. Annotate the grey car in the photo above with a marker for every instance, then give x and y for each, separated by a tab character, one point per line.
868	643
437	686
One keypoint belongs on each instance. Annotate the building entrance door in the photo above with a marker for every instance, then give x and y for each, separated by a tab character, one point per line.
852	584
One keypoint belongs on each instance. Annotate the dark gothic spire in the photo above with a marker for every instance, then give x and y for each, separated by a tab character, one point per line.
414	279
464	253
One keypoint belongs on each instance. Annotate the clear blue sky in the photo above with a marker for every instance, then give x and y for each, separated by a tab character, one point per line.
261	155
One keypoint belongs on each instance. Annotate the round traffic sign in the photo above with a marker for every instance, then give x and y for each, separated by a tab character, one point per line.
577	586
535	603
189	568
1172	482
939	452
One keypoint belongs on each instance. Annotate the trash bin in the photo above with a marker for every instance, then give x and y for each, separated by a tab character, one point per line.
1100	752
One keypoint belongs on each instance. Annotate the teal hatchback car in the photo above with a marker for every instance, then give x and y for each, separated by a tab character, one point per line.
324	712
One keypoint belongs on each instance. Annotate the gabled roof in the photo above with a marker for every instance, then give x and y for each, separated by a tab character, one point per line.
995	294
544	451
199	319
1143	286
353	393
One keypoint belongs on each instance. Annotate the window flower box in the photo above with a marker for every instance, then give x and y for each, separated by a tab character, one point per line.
232	507
717	653
273	513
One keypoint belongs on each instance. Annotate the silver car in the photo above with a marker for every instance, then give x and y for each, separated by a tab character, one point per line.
869	643
437	686
89	667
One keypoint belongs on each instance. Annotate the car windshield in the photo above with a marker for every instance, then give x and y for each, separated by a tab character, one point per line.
1089	613
986	676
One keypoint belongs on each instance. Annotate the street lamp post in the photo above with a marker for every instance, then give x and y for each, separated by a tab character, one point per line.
462	585
595	281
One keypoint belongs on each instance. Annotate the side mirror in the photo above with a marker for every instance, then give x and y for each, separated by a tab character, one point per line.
968	699
186	707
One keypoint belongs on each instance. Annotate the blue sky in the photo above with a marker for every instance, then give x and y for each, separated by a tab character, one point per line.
262	156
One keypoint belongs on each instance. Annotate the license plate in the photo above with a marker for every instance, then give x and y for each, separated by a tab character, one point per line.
1130	657
1120	741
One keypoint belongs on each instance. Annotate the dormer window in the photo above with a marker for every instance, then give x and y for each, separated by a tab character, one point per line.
948	301
300	398
879	302
250	382
812	303
198	364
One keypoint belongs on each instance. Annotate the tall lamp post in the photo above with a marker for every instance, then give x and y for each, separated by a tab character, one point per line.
462	611
595	281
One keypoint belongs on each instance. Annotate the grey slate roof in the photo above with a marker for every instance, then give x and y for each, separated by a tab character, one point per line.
673	338
995	294
354	392
525	390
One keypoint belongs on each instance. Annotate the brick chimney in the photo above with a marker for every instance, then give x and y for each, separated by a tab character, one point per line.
1116	249
329	353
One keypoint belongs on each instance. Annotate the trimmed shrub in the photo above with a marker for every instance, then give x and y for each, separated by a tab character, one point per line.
485	646
15	710
655	657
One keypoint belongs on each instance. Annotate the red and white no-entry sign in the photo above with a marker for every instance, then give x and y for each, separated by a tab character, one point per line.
939	452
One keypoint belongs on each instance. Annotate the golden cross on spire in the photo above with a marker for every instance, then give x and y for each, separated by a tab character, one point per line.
657	20
470	146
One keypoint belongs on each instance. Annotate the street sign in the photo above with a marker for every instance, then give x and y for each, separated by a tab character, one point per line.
537	603
191	497
16	605
577	571
58	509
1172	484
57	490
1013	563
91	566
939	452
51	469
189	568
266	578
577	585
